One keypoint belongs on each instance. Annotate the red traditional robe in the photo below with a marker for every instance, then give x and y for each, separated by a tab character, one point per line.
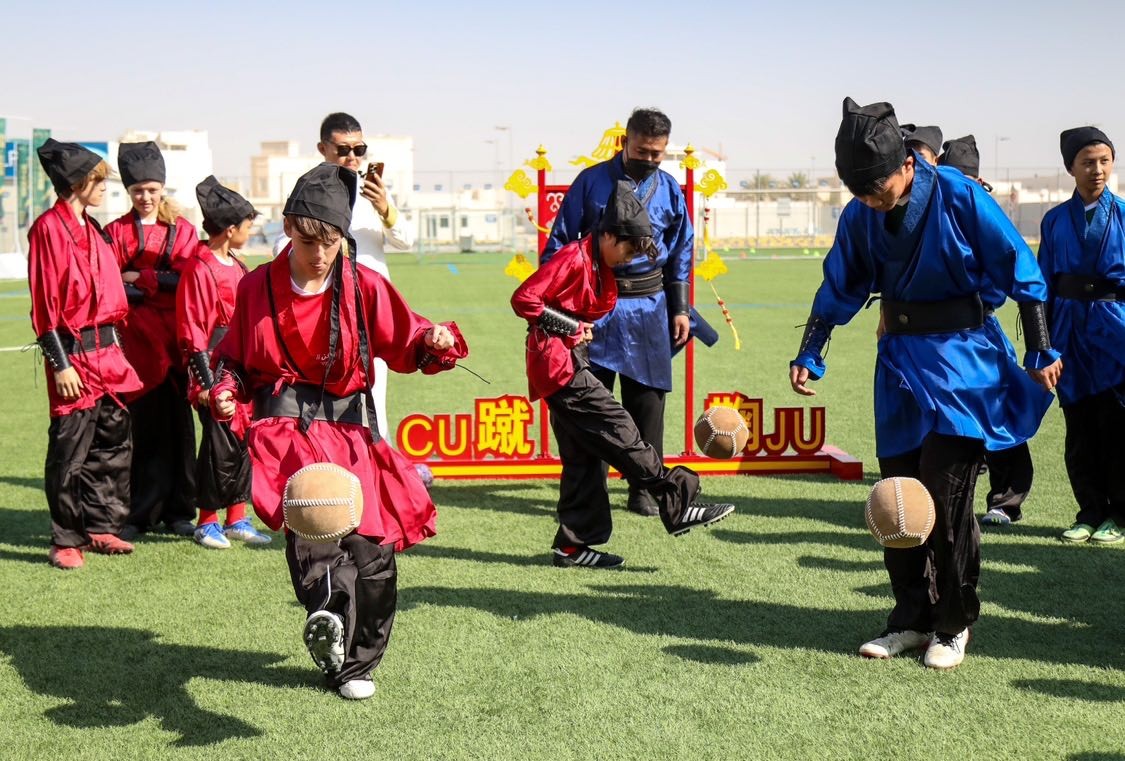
205	302
150	329
397	507
75	284
571	282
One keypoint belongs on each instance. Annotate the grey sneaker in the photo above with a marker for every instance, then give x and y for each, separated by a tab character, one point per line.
892	642
324	638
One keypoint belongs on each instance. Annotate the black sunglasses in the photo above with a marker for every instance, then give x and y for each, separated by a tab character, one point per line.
360	150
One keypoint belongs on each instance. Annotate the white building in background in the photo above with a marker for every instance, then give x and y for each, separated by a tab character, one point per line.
279	164
187	158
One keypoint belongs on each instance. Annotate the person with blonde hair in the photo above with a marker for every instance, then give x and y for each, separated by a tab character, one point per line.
154	244
77	302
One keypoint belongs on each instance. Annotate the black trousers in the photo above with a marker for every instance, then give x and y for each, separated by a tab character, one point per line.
222	472
163	475
592	428
935	584
645	405
86	475
1010	473
1095	459
355	578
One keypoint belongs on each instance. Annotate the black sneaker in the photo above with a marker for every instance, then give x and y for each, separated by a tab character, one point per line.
584	557
701	514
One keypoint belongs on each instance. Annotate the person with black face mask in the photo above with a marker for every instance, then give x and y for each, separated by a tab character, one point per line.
652	317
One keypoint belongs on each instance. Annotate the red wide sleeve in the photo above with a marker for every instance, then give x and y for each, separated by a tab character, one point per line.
398	334
44	278
197	308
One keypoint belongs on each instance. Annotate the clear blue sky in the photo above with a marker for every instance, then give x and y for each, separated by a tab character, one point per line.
764	80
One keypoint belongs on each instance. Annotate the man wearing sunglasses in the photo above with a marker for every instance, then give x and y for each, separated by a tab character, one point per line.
376	223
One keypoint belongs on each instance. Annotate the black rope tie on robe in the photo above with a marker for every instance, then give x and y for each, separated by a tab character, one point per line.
1033	317
349	250
308	414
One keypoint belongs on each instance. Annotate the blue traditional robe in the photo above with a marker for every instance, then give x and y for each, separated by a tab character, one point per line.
634	339
953	241
1090	334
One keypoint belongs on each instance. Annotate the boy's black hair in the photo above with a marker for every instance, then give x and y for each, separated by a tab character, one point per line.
338	122
872	187
648	122
211	228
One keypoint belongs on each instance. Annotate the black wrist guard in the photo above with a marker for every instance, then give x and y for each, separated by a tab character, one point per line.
51	345
1036	334
167	280
200	364
817	333
133	294
555	322
679	298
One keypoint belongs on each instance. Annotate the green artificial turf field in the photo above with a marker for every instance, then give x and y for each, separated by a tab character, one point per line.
733	643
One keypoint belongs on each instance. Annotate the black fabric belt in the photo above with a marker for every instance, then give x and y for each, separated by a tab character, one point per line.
89	339
292	400
641	285
1088	288
914	318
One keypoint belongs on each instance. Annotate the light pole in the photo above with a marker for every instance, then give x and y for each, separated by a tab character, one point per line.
996	156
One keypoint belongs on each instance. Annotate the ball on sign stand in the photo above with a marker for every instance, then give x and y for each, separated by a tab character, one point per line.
900	512
425	474
721	432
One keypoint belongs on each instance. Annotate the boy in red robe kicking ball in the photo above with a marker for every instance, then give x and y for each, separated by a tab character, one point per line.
560	301
305	330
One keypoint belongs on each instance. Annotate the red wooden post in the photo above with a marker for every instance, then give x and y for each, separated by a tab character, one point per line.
541	214
689	350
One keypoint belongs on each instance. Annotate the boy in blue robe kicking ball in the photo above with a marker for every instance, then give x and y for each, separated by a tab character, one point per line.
928	239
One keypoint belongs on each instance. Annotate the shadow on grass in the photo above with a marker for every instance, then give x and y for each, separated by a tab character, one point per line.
712	656
1097	756
541	560
688	613
493	497
1073	689
117	677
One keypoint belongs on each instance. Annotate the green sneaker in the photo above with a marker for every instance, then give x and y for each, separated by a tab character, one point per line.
1107	533
1078	533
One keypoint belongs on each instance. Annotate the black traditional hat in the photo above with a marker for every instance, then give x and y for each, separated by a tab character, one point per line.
927	136
140	162
326	192
961	154
66	164
625	217
869	143
1071	141
222	206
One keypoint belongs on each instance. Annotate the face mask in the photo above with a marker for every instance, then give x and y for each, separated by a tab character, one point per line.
639	170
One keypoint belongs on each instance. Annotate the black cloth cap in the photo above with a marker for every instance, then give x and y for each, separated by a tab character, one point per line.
625	215
327	192
869	144
140	162
222	206
66	164
1071	141
961	154
927	136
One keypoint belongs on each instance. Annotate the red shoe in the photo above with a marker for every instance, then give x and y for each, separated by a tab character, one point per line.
108	544
66	558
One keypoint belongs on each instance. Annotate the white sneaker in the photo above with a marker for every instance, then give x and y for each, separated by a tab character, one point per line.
891	642
324	638
357	689
947	650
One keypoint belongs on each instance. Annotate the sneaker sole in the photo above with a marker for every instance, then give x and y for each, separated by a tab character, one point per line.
1118	540
321	636
712	522
1068	540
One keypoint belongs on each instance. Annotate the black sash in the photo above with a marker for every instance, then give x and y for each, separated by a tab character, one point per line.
89	339
1087	288
640	285
303	401
915	318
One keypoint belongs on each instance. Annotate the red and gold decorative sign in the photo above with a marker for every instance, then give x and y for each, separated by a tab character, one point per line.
498	440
